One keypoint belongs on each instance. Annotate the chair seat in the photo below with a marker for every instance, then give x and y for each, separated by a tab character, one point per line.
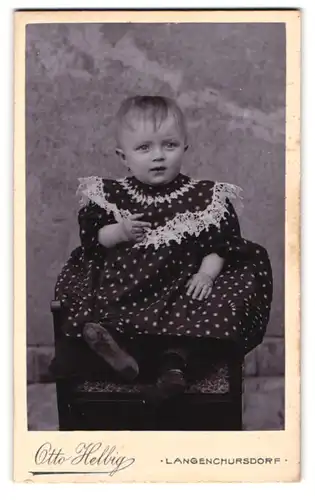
95	400
216	382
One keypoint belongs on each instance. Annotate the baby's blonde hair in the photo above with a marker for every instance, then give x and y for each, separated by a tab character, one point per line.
153	108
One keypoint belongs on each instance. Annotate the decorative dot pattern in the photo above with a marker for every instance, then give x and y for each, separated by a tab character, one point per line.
142	290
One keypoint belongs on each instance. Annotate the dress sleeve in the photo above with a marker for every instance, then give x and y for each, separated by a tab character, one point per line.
228	236
96	211
91	219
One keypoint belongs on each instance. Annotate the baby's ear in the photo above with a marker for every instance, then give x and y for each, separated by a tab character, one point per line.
121	154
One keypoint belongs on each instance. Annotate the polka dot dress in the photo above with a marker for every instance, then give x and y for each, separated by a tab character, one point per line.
140	289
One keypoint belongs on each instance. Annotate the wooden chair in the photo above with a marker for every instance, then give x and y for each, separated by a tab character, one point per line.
213	403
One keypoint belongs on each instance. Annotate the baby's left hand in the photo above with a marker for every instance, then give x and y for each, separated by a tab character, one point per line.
200	286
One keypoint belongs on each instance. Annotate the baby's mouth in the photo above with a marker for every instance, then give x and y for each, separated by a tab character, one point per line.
158	169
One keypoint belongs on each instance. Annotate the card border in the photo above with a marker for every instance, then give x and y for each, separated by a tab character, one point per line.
285	444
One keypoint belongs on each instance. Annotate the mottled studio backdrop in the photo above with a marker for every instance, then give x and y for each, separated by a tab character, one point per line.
230	81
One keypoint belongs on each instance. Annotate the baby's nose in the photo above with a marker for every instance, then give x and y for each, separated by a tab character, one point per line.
158	154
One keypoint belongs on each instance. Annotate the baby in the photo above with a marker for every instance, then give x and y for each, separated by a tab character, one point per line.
161	255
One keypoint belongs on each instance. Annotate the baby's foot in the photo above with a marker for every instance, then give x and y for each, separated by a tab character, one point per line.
171	382
101	342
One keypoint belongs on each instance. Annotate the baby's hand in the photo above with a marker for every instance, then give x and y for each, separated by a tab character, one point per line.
134	229
200	286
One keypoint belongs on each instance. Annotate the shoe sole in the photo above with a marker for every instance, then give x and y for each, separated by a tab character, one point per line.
101	342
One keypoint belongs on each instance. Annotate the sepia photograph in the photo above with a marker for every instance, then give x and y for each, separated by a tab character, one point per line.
156	194
155	184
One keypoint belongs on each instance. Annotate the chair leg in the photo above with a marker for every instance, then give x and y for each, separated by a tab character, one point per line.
237	414
64	406
236	390
62	387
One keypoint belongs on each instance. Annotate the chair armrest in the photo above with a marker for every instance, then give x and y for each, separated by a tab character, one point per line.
55	306
56	309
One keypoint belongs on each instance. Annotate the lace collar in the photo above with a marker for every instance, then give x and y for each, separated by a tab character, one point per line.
191	223
148	195
160	189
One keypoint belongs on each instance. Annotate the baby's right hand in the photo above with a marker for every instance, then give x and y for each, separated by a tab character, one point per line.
134	229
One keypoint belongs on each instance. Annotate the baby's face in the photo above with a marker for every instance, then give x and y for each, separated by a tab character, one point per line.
154	156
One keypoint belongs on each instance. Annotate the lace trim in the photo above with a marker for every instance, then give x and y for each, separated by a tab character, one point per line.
149	200
193	223
91	189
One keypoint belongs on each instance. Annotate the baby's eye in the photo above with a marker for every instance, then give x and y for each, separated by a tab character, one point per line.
171	145
143	147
